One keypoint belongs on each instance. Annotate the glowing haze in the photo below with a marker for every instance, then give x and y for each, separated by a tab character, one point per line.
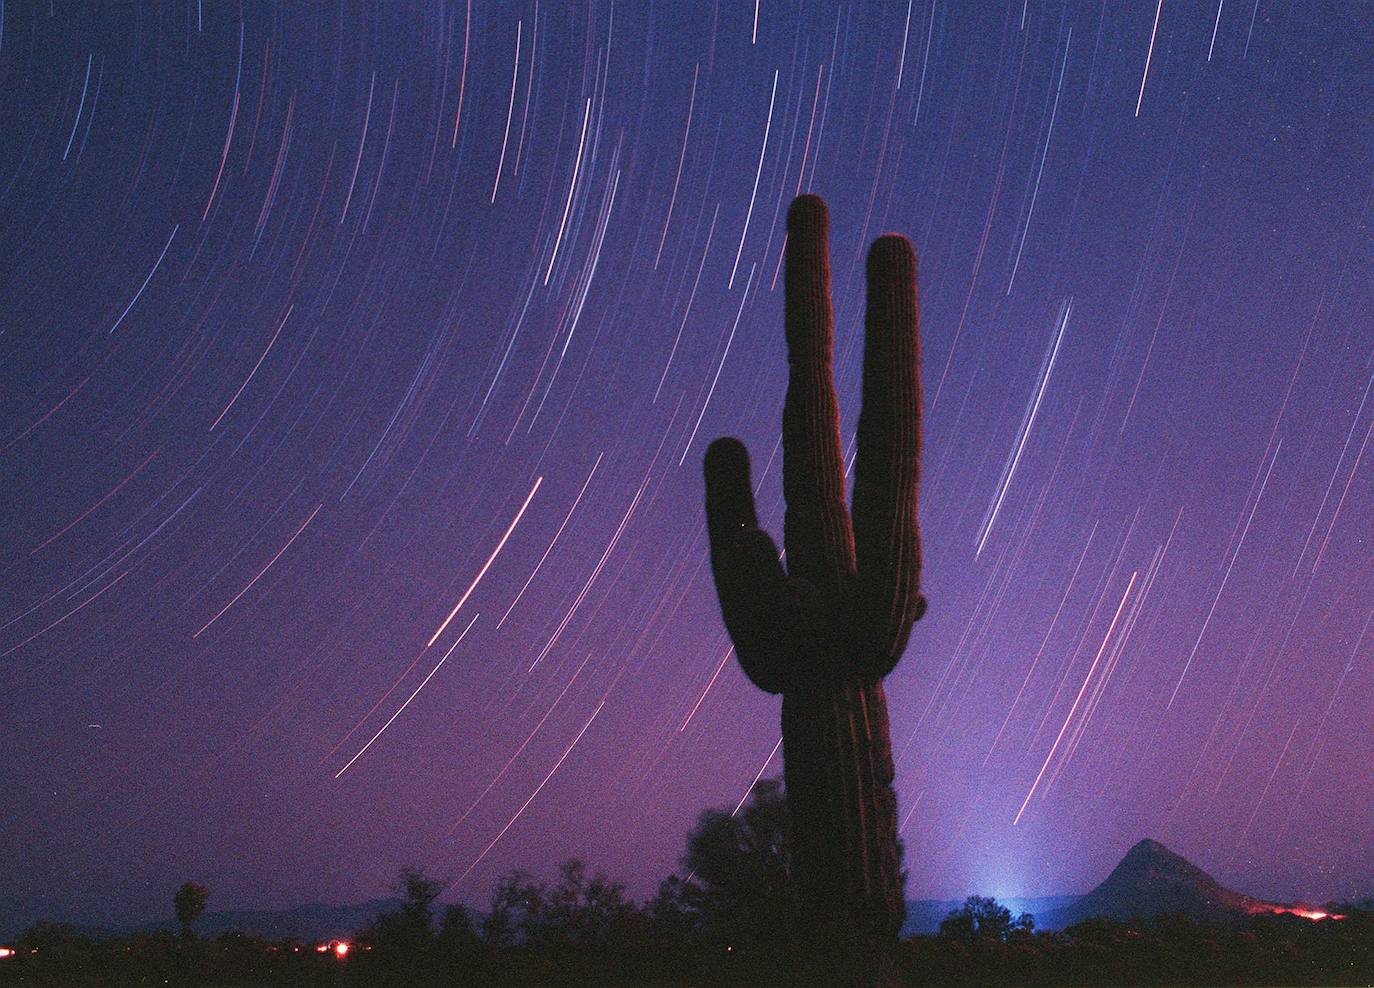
358	361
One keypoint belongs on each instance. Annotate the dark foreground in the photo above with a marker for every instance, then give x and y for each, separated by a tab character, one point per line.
1269	951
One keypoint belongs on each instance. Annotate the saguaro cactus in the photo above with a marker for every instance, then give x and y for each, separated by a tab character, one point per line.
827	630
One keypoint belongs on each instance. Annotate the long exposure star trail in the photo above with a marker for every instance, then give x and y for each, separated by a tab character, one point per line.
357	362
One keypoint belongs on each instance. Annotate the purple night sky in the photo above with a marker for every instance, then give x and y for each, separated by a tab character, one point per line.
357	362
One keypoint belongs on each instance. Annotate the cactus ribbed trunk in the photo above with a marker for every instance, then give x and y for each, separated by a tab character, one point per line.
843	812
825	632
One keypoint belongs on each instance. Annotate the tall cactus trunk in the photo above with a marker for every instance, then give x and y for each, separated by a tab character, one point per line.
837	757
825	632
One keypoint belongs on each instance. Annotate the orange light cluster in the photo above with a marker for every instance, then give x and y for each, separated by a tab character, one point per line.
6	951
1312	914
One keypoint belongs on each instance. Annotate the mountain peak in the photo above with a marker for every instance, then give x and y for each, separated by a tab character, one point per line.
1150	867
1152	880
1153	855
1148	845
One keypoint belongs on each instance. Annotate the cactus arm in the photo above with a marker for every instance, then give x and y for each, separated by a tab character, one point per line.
818	537
744	561
885	597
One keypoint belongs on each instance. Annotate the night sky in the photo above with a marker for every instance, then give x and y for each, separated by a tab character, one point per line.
357	361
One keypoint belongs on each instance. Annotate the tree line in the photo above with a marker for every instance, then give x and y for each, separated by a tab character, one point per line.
729	917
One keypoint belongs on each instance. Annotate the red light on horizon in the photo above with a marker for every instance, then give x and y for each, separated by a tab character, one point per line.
6	951
341	948
1315	915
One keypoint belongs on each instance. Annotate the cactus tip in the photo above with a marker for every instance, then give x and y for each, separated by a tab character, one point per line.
892	248
808	213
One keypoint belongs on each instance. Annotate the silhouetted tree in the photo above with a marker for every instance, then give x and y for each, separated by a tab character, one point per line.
981	918
458	944
581	929
515	897
579	910
407	932
190	902
676	911
457	932
742	864
582	910
419	891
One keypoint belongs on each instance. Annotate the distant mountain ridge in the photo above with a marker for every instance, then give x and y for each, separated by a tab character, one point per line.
313	922
1152	880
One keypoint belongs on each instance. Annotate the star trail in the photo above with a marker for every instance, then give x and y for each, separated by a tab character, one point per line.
357	362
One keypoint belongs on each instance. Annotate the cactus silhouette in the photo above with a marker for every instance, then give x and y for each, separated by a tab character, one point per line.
827	630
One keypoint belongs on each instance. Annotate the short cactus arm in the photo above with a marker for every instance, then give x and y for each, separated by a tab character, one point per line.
885	597
744	561
820	547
